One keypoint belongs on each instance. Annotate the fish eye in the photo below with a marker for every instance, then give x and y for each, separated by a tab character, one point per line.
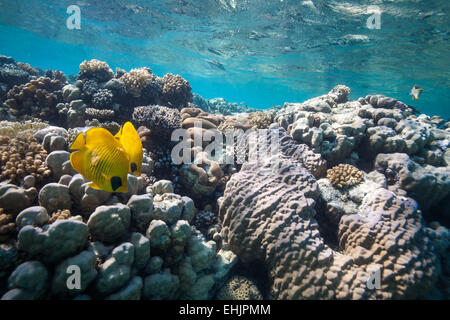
116	182
133	167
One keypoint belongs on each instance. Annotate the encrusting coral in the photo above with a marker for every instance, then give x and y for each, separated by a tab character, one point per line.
344	175
239	288
22	156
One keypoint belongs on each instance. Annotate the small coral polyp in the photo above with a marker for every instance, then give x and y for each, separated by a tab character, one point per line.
344	176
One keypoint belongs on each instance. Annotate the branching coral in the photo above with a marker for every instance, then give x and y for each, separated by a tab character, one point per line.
176	91
22	156
239	288
99	114
344	175
37	98
137	80
13	129
95	69
161	121
60	215
7	226
260	120
102	99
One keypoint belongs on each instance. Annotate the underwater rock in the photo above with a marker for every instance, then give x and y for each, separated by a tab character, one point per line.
70	93
115	272
132	291
40	134
202	253
8	257
33	216
84	197
162	186
109	223
154	265
29	281
55	161
142	250
85	261
167	207
426	184
141	207
162	286
53	242
14	199
159	234
54	196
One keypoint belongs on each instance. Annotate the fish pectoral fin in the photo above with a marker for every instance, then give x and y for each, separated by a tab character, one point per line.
94	186
78	143
76	160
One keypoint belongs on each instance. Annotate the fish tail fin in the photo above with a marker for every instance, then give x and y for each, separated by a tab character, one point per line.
94	186
79	142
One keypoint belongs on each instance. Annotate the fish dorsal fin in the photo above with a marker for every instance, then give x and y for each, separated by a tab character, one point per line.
76	160
119	133
79	142
98	135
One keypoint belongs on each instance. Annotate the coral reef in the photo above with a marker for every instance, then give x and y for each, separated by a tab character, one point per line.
344	175
7	226
37	98
268	216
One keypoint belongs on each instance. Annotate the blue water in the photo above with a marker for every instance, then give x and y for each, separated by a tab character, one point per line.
262	53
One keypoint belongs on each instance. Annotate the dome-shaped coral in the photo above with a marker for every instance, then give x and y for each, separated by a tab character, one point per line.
344	175
96	70
239	288
176	91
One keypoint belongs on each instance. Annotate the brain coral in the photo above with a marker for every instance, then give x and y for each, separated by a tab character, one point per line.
344	175
268	215
239	288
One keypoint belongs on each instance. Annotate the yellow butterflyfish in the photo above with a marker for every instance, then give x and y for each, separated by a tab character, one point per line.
101	159
130	140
